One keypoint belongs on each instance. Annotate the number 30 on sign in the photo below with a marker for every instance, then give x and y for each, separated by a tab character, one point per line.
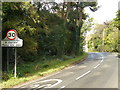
11	34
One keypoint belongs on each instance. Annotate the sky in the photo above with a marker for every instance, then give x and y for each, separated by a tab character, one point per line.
106	12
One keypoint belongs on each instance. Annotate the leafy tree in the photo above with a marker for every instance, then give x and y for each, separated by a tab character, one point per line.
47	29
105	37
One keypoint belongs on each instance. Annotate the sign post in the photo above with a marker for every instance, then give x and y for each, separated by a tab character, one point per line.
12	40
15	63
8	59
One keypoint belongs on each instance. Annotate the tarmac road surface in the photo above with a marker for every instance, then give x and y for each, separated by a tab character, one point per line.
99	70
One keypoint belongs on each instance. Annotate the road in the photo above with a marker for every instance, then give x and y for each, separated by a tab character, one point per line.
99	70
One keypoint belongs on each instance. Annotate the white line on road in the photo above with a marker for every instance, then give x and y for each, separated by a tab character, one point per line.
44	86
101	61
36	80
83	75
102	57
96	66
61	87
58	81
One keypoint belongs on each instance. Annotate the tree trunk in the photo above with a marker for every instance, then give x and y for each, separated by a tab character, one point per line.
78	32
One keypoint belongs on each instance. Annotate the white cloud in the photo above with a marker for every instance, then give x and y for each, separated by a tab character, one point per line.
107	11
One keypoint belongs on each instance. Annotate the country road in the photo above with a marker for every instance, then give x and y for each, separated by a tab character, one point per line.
99	70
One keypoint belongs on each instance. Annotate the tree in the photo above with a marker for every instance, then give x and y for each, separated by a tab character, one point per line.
105	37
47	29
74	17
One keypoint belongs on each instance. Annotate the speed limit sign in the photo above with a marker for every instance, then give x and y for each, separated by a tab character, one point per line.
11	34
12	39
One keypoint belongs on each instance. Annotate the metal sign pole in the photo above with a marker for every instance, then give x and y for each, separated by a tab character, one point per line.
8	59
15	62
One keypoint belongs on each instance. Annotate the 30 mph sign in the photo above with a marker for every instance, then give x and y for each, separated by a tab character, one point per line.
11	34
12	40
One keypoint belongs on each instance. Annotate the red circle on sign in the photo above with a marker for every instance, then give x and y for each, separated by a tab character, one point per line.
13	31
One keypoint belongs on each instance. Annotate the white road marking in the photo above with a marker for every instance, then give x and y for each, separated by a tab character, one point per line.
83	75
96	66
21	86
59	81
61	87
44	86
101	61
102	57
38	84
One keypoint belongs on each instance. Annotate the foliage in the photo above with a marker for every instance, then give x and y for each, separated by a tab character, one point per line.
47	29
105	38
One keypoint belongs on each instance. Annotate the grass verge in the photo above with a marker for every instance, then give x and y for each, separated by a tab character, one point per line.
33	70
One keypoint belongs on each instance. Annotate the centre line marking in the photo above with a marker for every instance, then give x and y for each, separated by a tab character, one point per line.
83	75
101	61
97	66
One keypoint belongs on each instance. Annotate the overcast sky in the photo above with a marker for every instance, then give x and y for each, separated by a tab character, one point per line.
106	12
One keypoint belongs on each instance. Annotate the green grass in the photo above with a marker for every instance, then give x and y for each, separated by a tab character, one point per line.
33	70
